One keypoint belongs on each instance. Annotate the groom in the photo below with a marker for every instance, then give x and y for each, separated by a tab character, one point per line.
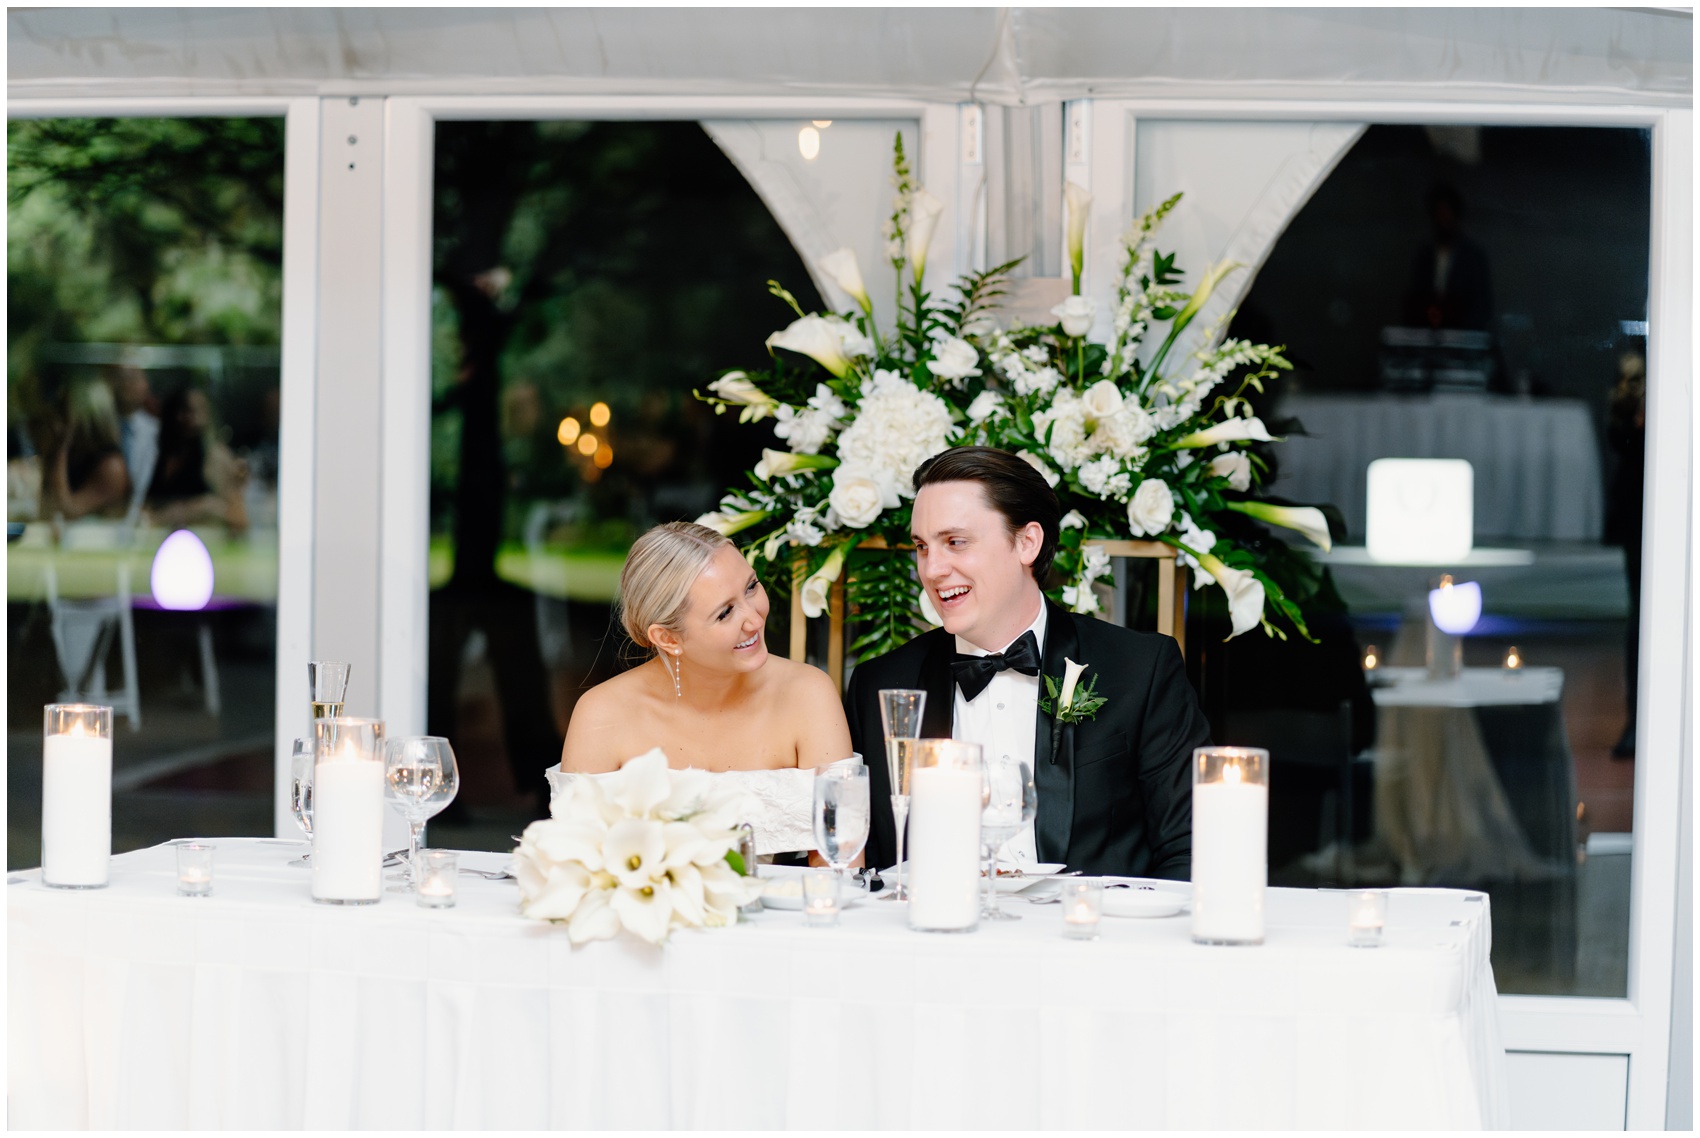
1115	791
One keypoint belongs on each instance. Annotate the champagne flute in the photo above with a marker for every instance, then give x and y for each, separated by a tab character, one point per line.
328	680
841	814
420	778
1011	801
900	717
301	792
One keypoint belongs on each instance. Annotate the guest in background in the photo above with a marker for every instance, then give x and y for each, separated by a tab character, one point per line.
138	426
196	478
1450	286
87	475
1627	432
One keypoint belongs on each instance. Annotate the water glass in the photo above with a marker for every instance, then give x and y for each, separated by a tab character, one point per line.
420	779
841	813
1011	801
822	898
194	869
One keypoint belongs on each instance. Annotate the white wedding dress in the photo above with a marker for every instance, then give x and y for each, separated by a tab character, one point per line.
781	807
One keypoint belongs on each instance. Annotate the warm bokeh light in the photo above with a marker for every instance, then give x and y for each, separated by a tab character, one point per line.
568	431
599	414
808	143
604	456
1372	658
823	123
587	444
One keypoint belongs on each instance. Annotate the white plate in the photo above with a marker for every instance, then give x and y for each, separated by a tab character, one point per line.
1142	897
1030	875
782	888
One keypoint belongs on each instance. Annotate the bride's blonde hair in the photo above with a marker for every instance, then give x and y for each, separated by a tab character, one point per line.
661	568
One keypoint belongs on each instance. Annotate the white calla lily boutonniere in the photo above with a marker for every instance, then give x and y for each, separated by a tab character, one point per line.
1069	701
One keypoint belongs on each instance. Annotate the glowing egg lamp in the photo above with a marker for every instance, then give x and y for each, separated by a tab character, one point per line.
182	576
1420	510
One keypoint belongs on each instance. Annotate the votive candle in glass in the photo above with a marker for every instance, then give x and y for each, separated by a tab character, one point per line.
194	869
76	795
1082	908
1230	855
821	898
437	869
1513	660
348	811
1366	917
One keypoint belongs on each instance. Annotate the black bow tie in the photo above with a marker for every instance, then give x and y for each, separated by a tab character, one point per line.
973	673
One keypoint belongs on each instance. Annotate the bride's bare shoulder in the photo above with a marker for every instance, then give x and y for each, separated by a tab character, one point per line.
804	682
600	719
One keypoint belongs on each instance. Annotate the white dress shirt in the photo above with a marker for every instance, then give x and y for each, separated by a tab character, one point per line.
1002	719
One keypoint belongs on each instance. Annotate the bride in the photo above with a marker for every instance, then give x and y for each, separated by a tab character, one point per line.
709	695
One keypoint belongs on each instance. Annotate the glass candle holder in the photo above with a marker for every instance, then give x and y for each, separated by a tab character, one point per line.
945	781
747	853
194	869
1514	660
348	811
76	795
1230	844
1082	908
1366	917
821	898
437	869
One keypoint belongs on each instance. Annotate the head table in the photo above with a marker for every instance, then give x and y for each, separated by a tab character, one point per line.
131	1007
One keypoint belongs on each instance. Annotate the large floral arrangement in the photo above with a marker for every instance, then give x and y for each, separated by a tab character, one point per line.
647	849
1137	443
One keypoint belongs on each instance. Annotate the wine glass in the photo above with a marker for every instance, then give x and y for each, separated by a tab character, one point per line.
328	680
1011	800
301	792
900	717
841	814
420	778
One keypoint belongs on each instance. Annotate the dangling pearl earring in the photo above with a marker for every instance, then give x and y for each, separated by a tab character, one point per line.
677	669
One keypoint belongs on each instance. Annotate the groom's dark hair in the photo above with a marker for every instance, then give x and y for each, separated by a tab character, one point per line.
1012	488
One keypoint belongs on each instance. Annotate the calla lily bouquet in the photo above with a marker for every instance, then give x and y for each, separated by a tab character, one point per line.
1137	444
647	849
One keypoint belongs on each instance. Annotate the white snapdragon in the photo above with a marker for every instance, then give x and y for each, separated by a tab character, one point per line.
809	428
1195	539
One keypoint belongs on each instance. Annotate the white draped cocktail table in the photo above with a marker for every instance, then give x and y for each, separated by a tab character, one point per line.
134	1008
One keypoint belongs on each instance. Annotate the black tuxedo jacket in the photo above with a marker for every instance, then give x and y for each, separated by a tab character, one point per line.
1115	793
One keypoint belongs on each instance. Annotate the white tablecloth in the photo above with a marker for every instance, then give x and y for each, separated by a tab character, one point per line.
131	1007
1536	461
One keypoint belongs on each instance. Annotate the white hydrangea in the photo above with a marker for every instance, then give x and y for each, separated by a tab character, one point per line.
897	428
1105	478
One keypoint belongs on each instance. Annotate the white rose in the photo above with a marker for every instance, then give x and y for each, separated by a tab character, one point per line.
1076	315
841	266
954	359
1102	399
1235	466
1151	509
1051	477
859	495
985	405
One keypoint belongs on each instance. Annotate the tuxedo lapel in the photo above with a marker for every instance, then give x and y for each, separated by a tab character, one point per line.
938	720
1053	751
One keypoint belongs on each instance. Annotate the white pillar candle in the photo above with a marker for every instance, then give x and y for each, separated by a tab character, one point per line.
944	848
348	828
1230	834
76	806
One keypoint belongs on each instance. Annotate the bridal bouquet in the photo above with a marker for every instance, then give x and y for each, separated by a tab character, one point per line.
1137	444
647	849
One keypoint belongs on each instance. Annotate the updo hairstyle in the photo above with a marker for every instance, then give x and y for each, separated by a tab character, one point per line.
661	568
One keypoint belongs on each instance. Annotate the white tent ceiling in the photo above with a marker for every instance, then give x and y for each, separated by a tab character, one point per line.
1009	55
